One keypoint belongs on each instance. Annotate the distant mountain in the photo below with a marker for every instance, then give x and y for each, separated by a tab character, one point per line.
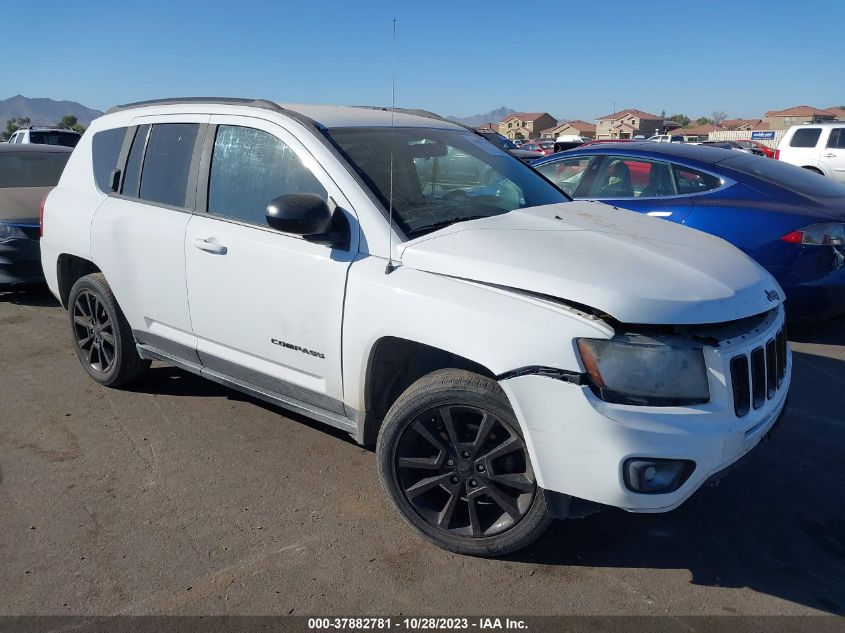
44	111
489	117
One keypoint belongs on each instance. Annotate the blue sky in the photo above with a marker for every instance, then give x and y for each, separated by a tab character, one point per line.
456	58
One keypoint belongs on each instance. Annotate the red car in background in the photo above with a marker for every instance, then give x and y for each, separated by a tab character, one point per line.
768	151
545	146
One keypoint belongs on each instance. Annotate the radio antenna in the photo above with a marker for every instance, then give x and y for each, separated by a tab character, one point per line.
390	267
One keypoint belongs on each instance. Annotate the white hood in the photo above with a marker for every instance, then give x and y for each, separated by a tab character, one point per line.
633	267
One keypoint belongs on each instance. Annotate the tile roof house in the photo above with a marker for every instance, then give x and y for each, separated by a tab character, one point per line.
839	113
627	124
783	119
741	124
525	125
696	133
575	128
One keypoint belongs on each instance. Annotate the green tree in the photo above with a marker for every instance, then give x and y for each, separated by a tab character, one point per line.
703	120
13	125
70	122
681	119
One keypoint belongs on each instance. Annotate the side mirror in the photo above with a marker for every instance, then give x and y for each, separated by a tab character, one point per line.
300	214
308	215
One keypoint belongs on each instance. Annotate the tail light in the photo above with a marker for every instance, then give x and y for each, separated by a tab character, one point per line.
826	234
777	154
41	215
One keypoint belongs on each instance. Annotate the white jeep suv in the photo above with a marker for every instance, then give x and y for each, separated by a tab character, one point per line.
819	147
514	356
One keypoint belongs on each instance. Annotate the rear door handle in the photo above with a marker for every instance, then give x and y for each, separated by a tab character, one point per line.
210	245
831	155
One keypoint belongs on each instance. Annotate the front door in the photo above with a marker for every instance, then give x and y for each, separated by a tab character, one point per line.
833	156
266	307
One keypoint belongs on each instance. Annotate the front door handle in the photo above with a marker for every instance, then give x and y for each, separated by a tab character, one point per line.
830	155
210	245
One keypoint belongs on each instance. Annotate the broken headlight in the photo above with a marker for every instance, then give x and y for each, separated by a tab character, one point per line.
647	373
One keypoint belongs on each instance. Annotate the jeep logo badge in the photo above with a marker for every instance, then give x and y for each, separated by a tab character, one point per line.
772	295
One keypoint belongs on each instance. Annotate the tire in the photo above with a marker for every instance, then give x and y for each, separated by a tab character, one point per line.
449	451
104	344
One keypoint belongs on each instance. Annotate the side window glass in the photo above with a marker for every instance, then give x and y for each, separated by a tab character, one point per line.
566	173
250	168
633	178
167	163
805	137
837	138
693	181
105	148
132	177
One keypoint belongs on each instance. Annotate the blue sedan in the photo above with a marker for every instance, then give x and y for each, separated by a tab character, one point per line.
790	220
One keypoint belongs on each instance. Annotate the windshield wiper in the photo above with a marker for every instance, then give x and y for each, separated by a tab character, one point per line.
428	228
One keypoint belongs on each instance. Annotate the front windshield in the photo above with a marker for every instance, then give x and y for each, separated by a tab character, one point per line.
441	176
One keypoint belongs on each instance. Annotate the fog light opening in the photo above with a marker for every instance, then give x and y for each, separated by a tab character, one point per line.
656	476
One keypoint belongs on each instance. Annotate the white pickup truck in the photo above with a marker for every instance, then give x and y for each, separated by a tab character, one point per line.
515	356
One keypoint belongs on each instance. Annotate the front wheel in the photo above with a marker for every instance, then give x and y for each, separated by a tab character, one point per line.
453	462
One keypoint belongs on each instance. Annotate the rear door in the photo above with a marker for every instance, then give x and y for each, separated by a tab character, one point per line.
833	156
138	233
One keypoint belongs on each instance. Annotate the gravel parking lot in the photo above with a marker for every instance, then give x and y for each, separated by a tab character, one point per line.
182	497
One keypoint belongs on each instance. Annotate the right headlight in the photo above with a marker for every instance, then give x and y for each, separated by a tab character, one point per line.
648	373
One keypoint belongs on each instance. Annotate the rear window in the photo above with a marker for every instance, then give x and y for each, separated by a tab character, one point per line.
167	163
65	139
805	137
105	148
31	169
165	150
785	175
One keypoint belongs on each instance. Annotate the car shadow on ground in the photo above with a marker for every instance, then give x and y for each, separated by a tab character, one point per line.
172	381
35	296
775	525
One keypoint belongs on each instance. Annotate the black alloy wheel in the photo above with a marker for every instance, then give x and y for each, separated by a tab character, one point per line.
465	471
94	331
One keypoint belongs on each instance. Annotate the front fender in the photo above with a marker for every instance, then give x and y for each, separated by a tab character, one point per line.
496	328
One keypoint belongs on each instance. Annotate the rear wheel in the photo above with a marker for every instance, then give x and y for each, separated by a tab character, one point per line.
454	463
101	335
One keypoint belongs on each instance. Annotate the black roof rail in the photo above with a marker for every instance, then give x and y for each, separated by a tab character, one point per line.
255	103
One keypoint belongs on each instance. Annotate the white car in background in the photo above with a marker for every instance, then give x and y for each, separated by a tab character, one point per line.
511	353
44	135
819	147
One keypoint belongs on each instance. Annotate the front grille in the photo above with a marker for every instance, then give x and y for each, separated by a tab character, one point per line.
757	376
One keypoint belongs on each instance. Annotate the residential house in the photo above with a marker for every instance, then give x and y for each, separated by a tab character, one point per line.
839	113
696	133
784	119
574	128
628	124
743	125
525	125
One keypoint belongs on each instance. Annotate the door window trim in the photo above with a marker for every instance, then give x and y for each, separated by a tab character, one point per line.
204	181
726	182
193	169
